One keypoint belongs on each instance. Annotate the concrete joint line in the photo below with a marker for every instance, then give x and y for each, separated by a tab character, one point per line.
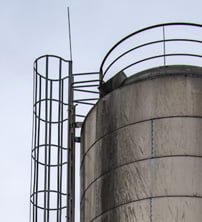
152	156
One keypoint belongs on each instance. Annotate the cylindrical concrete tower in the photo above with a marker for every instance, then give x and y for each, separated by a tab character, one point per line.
141	155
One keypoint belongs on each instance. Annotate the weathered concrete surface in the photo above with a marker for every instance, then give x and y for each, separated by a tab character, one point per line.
132	212
136	140
160	177
163	209
142	151
182	209
177	136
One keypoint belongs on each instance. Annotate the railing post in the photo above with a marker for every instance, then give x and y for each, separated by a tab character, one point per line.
164	45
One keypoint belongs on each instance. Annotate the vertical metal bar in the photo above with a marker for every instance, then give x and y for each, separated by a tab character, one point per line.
61	137
34	143
70	180
61	143
46	142
59	146
49	149
69	151
73	162
32	161
164	46
37	148
69	29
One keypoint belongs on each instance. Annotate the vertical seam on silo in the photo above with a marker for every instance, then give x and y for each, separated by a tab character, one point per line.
152	155
151	209
152	138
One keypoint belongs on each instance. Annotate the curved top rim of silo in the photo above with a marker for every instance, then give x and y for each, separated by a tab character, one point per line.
149	74
165	44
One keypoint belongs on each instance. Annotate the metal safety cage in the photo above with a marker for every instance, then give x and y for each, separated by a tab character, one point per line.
61	101
158	45
52	156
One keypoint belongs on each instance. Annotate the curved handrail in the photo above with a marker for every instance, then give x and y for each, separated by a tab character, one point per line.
53	56
160	56
104	72
47	57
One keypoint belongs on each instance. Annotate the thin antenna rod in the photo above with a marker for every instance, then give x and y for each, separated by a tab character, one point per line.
69	31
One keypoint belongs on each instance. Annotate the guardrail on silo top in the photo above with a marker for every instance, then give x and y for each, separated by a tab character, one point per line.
154	46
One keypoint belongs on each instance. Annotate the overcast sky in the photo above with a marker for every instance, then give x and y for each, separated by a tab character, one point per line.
29	29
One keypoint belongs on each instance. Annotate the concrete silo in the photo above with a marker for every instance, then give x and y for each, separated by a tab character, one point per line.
142	148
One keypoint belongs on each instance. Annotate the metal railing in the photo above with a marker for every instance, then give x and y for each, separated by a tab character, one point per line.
158	45
61	101
52	183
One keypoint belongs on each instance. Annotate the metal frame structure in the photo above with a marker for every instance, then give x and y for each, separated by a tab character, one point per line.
59	102
49	92
53	157
163	42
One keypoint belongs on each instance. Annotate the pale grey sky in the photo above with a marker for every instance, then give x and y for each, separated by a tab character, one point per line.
33	28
